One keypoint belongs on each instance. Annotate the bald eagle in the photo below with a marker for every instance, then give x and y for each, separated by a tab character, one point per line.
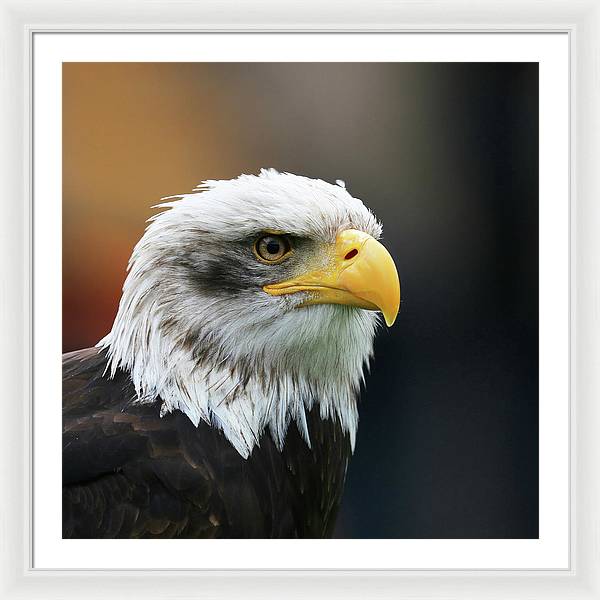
223	402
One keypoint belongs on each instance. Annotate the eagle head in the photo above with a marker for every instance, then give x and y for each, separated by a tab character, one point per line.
249	301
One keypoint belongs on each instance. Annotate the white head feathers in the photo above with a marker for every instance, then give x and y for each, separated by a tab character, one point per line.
195	328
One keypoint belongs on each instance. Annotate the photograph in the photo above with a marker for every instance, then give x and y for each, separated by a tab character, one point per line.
300	300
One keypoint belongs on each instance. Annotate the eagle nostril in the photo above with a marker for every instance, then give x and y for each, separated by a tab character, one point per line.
351	254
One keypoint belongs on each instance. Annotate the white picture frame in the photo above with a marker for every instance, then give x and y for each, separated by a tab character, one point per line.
18	23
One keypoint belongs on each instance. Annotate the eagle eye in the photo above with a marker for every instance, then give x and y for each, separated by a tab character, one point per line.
272	248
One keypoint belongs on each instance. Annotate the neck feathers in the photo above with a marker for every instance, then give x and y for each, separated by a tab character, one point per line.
254	381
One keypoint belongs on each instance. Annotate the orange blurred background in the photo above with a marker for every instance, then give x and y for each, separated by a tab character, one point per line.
132	133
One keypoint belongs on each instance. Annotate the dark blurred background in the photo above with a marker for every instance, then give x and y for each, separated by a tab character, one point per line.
446	155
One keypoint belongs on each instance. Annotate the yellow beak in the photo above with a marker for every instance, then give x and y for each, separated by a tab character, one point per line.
360	272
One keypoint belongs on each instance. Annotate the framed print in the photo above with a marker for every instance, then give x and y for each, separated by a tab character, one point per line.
301	309
478	353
